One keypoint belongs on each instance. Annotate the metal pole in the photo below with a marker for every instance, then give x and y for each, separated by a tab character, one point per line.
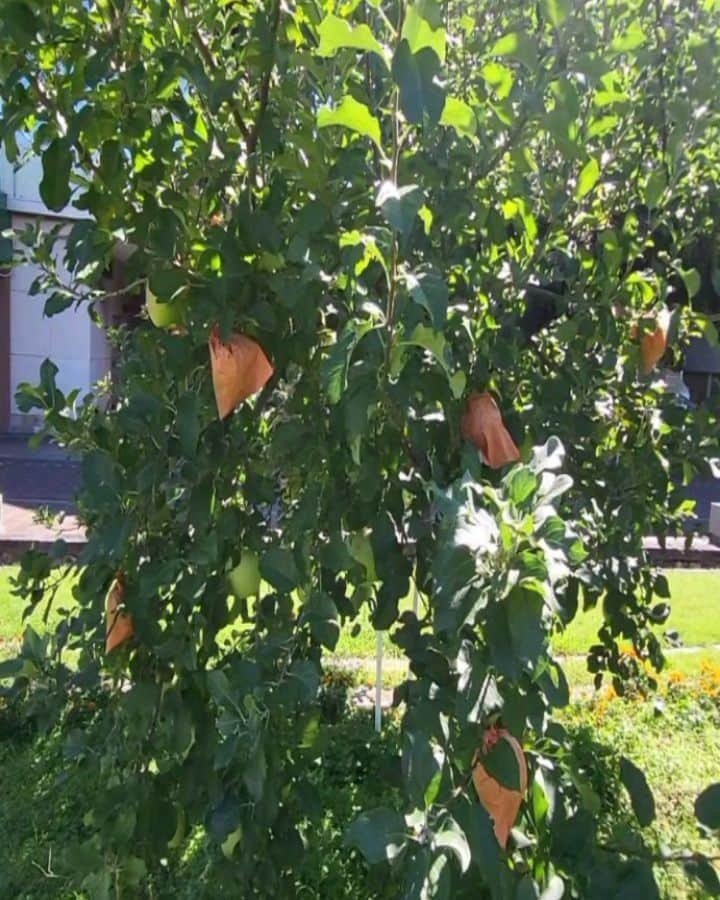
378	681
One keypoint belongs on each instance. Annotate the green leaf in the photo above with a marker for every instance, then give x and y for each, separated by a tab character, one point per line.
549	456
638	881
415	75
521	484
419	33
378	834
56	165
336	33
502	764
524	609
19	22
452	838
555	889
587	179
428	289
486	853
98	885
641	798
358	400
57	302
188	423
400	206
277	567
434	342
422	763
499	77
321	615
351	114
691	280
703	871
633	38
557	11
334	365
9	668
458	115
707	807
225	818
655	187
306	679
518	45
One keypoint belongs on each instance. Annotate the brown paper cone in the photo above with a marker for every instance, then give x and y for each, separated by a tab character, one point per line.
482	425
118	624
652	348
503	804
239	369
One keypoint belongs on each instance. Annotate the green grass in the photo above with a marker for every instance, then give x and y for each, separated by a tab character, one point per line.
12	607
684	662
695	615
44	798
694	598
695	602
679	751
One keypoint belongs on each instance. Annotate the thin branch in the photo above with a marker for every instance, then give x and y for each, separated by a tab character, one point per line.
679	856
264	93
209	60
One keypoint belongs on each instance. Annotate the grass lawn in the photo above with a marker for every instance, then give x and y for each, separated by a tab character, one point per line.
11	610
695	603
677	744
45	797
679	751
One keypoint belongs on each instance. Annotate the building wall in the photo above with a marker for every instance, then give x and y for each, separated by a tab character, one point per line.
22	185
71	340
77	347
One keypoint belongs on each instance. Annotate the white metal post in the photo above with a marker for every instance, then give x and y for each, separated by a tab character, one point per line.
378	681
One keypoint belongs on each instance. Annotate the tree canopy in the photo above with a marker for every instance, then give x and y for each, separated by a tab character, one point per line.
406	207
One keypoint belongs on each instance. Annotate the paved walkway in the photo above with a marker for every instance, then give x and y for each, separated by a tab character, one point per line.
48	477
31	481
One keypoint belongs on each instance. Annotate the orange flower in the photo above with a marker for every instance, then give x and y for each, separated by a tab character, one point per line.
482	425
239	369
118	624
502	803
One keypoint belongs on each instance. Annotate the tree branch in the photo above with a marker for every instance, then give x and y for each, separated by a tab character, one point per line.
209	60
264	93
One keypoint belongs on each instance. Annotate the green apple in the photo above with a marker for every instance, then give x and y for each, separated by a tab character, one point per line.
177	839
231	841
164	315
245	577
361	551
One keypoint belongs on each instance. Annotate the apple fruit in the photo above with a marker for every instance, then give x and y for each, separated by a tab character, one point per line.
231	841
177	839
245	577
164	315
361	551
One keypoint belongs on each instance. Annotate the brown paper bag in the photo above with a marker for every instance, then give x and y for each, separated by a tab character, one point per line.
118	624
502	803
652	348
483	426
653	343
239	369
